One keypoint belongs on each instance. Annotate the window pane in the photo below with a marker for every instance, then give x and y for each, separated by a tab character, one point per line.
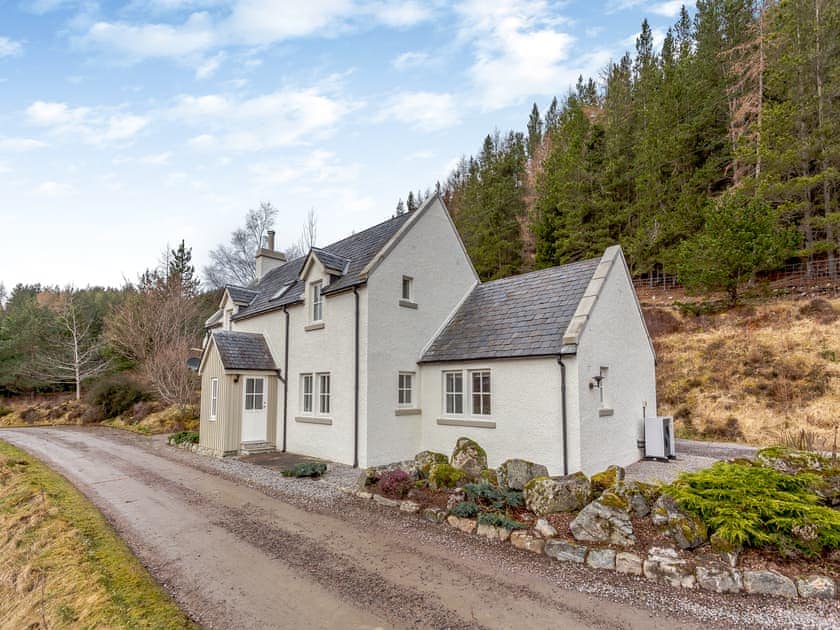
406	288
459	403
486	404
249	386
258	385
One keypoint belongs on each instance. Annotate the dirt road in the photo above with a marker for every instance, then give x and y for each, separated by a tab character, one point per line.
234	557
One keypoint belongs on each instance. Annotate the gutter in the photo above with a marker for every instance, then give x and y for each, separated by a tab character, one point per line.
356	386
286	382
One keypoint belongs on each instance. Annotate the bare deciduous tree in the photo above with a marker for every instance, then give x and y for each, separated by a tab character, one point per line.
308	237
234	263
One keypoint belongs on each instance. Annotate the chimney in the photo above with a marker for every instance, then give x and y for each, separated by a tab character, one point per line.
268	259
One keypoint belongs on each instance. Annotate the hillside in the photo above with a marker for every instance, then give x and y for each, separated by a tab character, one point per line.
758	373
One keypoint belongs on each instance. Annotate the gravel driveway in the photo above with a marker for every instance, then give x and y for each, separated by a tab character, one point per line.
238	546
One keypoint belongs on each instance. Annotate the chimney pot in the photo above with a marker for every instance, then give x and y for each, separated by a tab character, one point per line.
271	240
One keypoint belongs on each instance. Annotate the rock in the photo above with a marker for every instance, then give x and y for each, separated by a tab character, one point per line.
601	523
725	549
366	479
626	562
455	498
816	586
545	529
829	487
601	559
466	525
606	479
364	495
523	540
409	506
549	495
718	577
565	551
493	533
469	457
768	583
424	460
515	473
664	565
687	531
434	515
791	461
385	501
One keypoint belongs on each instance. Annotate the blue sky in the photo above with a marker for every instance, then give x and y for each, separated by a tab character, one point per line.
125	126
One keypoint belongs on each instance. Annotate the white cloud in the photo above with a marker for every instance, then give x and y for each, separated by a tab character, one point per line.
99	125
154	40
304	171
409	60
670	8
53	189
281	118
399	14
426	111
156	159
658	36
9	47
17	145
208	67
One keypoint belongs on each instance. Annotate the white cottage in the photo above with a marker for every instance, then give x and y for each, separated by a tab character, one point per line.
386	343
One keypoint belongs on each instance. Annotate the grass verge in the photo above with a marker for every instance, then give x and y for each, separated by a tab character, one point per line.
61	564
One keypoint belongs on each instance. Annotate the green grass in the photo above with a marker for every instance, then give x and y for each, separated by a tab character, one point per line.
67	567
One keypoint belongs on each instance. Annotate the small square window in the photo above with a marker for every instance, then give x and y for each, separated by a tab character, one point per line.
254	393
407	288
405	389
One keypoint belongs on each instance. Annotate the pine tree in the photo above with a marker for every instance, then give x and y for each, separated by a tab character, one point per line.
181	271
400	207
535	131
411	204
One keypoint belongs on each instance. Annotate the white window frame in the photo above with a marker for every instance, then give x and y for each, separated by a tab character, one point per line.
214	397
317	299
485	396
602	386
254	396
402	389
454	394
324	397
304	395
409	282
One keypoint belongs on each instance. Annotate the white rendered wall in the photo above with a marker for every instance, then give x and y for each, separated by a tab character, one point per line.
615	337
525	405
429	252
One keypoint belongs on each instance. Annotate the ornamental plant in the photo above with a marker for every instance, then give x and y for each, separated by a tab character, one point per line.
306	469
395	483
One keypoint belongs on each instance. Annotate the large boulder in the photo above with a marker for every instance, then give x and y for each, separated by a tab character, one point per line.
549	495
687	530
424	460
769	583
515	473
469	457
598	522
632	497
606	479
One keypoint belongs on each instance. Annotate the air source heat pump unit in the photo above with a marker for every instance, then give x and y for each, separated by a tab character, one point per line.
659	437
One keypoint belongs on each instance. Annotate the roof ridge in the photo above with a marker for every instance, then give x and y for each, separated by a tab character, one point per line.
537	271
355	234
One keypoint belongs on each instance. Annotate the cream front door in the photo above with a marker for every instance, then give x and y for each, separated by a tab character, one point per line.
255	410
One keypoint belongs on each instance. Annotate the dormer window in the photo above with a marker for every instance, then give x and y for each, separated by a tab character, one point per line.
317	302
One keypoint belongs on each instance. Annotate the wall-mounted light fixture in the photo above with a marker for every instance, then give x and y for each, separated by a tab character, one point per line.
595	381
236	378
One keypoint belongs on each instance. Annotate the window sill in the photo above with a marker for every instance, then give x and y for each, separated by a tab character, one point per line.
408	304
313	420
407	411
605	411
455	422
314	326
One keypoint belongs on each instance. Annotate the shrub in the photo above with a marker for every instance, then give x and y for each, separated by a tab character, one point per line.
5	411
498	520
466	509
116	396
306	469
184	437
753	506
444	476
493	497
395	483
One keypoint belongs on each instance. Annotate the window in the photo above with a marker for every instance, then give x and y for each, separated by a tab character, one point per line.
307	389
323	394
254	393
480	393
214	397
317	302
454	388
408	288
602	385
405	389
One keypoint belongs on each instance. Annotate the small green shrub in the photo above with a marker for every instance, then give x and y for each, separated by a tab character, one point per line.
444	476
5	411
497	519
493	497
753	506
466	509
116	396
184	437
306	469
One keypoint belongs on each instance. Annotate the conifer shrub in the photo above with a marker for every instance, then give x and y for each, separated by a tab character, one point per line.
466	509
306	469
497	519
184	437
753	506
493	497
444	476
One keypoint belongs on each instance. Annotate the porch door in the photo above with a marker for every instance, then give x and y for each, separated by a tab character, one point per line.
255	411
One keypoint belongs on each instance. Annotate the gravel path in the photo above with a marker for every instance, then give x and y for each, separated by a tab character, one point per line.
691	455
240	546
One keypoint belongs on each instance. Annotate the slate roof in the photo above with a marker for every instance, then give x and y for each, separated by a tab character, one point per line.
520	316
330	260
357	250
243	351
214	320
240	295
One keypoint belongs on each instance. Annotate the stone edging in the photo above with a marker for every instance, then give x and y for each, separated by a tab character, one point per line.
660	564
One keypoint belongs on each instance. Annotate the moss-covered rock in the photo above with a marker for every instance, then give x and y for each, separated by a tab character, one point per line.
424	460
548	495
469	457
687	530
606	479
791	461
633	497
601	522
515	473
444	476
367	478
489	475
